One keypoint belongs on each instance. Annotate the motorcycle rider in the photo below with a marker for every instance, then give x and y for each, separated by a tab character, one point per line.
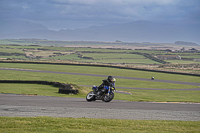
109	82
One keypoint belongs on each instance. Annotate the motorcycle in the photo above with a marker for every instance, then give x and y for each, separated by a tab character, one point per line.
107	96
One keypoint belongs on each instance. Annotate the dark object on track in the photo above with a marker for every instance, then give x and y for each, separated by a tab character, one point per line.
67	89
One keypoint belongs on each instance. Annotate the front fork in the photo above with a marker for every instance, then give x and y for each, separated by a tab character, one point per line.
108	91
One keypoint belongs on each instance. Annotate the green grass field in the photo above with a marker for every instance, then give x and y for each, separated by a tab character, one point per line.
87	80
102	71
137	94
195	56
182	62
14	57
114	55
121	61
71	57
87	125
11	50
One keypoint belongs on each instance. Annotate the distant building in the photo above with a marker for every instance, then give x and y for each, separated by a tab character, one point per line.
193	50
183	49
196	59
167	50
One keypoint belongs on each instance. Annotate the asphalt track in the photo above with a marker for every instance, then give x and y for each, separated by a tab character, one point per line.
32	106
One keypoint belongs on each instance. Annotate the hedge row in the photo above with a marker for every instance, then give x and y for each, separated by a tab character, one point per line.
11	54
64	88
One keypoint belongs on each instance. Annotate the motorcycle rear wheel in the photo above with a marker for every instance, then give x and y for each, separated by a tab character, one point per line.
90	96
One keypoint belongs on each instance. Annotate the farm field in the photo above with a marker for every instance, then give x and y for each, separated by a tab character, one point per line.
75	54
181	62
44	50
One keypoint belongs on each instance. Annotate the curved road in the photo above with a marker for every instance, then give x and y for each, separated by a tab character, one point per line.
32	106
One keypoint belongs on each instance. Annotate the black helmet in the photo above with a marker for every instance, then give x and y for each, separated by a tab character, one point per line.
110	78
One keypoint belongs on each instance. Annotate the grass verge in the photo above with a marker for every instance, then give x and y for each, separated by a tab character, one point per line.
160	96
88	125
37	89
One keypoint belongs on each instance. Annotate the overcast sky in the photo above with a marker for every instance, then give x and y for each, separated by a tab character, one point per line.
70	14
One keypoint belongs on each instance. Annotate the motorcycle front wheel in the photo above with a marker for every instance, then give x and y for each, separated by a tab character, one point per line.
108	98
90	96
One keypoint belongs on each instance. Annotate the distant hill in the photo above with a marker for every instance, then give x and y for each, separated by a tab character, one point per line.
138	31
19	26
185	43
